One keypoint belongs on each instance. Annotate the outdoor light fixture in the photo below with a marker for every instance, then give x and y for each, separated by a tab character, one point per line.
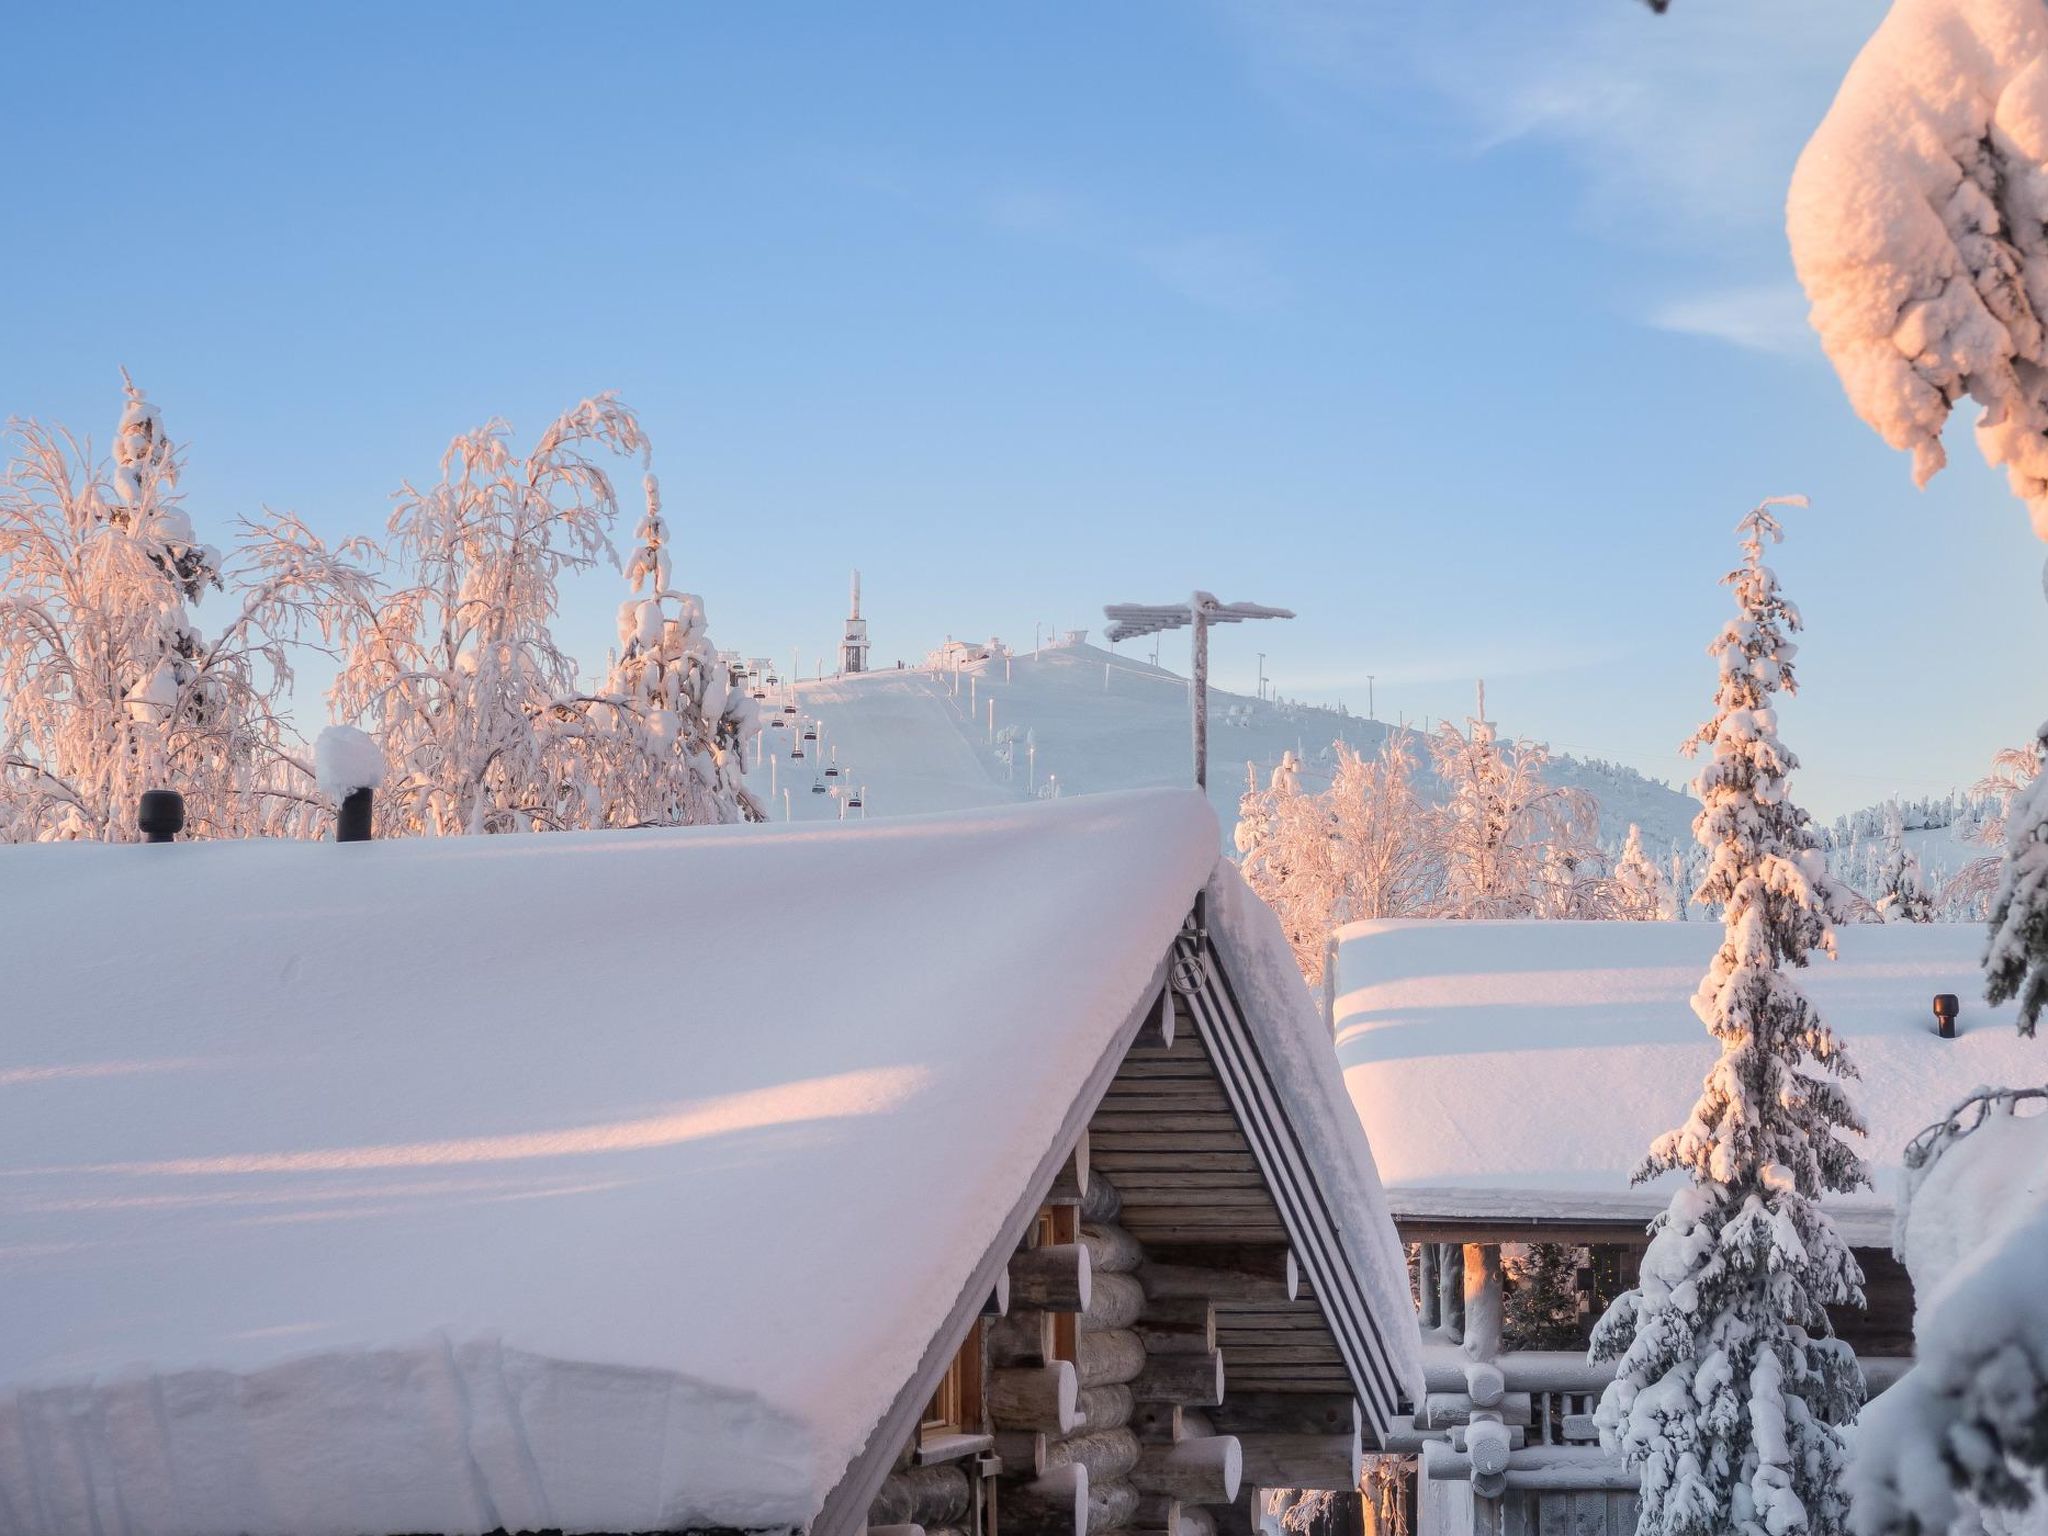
1945	1010
160	816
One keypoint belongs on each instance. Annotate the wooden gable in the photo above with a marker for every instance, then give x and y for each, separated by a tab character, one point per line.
1175	1325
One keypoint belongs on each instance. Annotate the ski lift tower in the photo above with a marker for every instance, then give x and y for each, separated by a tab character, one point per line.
1127	621
853	650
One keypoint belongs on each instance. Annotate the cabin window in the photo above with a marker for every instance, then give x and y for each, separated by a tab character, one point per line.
1061	1224
955	1409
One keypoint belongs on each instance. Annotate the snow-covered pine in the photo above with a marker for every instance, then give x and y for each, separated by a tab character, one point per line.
1639	891
457	670
108	687
1505	840
693	718
1902	894
1729	1385
1541	1307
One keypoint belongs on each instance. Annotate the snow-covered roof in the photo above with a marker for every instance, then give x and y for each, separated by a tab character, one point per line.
1521	1069
605	1181
600	1181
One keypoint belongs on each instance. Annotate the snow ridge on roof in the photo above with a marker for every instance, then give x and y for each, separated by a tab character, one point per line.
448	1185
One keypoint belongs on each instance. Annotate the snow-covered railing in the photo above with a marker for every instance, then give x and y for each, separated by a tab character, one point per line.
1925	1149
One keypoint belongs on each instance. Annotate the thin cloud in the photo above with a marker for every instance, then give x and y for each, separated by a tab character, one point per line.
1766	317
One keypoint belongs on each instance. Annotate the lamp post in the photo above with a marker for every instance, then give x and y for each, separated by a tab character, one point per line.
1129	620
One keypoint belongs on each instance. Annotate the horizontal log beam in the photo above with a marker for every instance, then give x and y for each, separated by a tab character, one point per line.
1022	1338
939	1495
1177	1325
1055	1278
1107	1453
1193	1381
1111	1507
1289	1413
1116	1303
1070	1187
1203	1471
1303	1461
1111	1249
1223	1272
1112	1356
1108	1406
1053	1505
1035	1397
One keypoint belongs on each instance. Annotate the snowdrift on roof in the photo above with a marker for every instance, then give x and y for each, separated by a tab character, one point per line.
1525	1066
606	1181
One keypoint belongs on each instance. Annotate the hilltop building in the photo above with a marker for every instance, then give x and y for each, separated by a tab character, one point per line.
853	650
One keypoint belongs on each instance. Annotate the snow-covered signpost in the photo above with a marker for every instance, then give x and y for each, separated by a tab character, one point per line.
1127	621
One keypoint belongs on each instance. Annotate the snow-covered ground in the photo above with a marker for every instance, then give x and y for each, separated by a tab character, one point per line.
1085	720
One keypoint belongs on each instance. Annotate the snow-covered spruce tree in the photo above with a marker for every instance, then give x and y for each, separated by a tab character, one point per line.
1729	1385
695	719
1902	894
2016	959
1639	891
106	685
1541	1307
456	670
1500	825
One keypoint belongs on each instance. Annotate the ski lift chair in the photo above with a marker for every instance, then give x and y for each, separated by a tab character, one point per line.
817	786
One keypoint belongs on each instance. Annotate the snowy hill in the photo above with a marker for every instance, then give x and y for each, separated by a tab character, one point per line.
1077	719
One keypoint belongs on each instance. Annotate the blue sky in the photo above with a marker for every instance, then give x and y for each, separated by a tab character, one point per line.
1466	329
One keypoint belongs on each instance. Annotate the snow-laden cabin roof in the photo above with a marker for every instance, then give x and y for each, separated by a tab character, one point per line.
1521	1069
609	1181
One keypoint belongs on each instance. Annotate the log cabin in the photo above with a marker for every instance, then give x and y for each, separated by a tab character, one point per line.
985	1174
1514	1074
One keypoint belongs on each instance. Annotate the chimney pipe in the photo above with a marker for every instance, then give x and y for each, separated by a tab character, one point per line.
352	817
1945	1010
161	815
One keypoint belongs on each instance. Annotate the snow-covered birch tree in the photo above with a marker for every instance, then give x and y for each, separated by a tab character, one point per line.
1509	844
1729	1387
107	687
457	670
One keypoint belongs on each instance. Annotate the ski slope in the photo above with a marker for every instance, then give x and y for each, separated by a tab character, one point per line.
1077	719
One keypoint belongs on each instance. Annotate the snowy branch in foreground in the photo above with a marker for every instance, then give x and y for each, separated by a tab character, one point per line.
1963	1436
1918	218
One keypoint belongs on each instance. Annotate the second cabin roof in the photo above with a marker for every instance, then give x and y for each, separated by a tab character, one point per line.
1521	1069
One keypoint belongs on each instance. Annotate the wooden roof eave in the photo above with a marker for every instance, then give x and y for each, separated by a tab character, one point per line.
845	1510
